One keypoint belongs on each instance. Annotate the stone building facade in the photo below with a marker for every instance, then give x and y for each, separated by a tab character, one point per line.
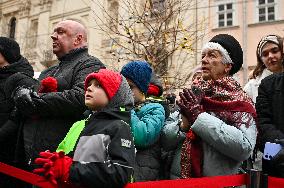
30	22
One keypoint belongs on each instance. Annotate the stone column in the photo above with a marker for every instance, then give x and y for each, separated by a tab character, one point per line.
94	35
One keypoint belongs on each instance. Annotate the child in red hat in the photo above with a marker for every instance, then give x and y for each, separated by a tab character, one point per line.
104	151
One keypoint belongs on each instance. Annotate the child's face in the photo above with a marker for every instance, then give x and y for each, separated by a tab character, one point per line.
137	94
95	96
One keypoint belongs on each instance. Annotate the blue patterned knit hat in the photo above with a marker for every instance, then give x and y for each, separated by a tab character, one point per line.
139	72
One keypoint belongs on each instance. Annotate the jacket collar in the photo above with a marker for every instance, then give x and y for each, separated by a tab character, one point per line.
73	54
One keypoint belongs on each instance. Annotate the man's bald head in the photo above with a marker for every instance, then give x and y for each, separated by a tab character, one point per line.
68	35
76	27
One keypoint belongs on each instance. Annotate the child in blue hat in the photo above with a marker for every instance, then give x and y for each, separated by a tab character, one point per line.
147	120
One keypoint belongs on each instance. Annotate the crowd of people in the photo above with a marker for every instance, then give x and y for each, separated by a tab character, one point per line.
81	124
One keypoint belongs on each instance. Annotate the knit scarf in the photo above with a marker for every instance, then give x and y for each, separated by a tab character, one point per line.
226	100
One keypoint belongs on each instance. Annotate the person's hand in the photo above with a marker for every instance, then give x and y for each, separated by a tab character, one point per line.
55	166
24	101
278	159
189	105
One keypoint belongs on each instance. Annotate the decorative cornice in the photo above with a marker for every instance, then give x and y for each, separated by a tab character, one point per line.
24	8
84	10
45	5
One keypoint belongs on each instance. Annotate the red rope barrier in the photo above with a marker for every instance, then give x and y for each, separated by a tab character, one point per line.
25	176
212	182
205	182
274	182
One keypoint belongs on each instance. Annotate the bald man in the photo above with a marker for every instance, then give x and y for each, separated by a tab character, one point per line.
68	35
49	115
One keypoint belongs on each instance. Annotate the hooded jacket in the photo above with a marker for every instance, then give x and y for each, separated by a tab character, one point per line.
147	122
18	74
102	147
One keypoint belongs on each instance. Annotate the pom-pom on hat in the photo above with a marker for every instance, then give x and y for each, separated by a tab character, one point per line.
10	49
139	72
153	90
109	80
233	49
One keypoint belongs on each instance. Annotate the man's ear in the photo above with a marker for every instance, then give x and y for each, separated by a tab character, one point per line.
78	40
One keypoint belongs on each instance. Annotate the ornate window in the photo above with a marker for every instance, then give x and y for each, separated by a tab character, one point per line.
12	27
113	7
32	35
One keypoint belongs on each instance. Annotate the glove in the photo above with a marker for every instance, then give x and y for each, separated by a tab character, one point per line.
190	105
55	166
23	100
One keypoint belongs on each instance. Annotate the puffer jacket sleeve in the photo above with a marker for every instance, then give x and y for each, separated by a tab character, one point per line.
90	169
147	123
265	109
68	102
171	134
236	143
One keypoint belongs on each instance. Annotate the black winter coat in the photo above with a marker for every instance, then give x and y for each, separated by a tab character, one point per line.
148	164
55	112
270	111
12	76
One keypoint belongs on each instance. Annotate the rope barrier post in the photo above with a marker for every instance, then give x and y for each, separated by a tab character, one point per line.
254	178
264	181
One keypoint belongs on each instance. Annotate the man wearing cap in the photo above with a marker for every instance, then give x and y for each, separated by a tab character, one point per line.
218	117
51	112
15	71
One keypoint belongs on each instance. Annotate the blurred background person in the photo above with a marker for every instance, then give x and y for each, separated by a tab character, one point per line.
15	71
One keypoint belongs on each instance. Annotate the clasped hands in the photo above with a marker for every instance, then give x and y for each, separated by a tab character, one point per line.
189	104
55	166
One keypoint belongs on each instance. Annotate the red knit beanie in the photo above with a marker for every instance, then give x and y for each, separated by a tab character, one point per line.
109	80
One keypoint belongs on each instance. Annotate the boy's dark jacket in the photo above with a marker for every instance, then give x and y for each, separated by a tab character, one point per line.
105	153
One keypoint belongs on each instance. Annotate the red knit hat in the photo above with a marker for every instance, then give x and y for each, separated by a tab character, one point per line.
109	80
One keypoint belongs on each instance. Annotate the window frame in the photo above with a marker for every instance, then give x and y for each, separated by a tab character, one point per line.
225	12
266	6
